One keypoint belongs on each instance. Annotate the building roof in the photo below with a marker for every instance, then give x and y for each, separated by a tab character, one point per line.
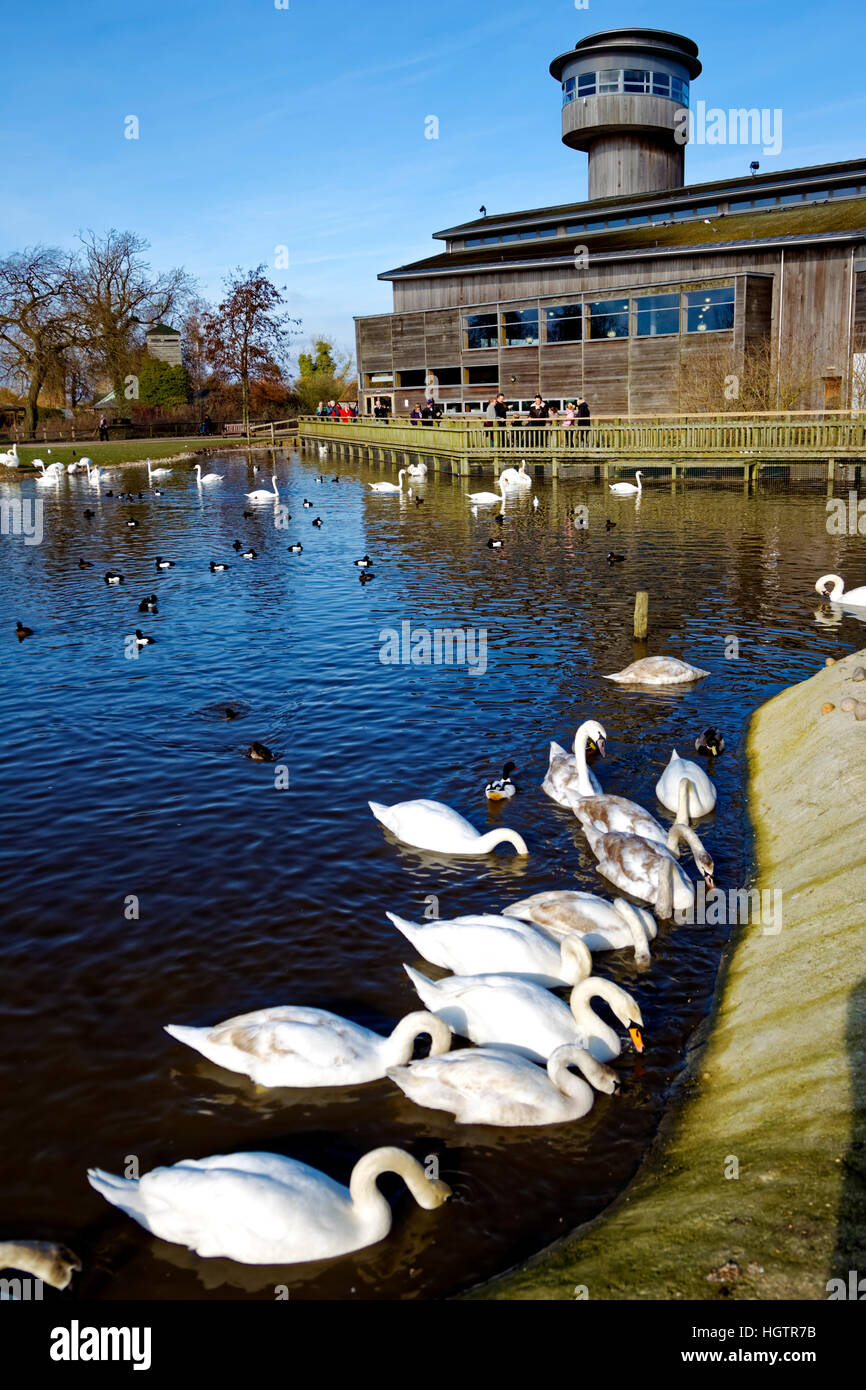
809	222
642	42
163	331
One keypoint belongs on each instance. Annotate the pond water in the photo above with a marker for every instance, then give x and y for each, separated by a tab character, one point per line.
122	778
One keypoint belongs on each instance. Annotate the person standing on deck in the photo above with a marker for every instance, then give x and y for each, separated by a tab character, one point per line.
583	420
538	413
490	421
501	410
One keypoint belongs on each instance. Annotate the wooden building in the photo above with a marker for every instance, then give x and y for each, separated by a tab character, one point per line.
630	298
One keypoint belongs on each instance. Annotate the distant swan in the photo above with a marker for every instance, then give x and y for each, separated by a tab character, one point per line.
208	477
658	670
157	472
514	1013
261	494
294	1046
488	498
602	926
682	775
833	588
264	1209
390	487
417	470
567	774
433	826
491	945
626	489
493	1086
10	458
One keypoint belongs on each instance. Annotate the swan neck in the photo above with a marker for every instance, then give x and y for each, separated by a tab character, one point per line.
580	742
501	836
366	1197
400	1045
686	788
565	1081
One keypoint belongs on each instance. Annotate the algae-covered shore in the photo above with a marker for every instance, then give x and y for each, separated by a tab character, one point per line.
758	1176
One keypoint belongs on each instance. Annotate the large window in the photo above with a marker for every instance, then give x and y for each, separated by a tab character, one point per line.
414	377
564	323
448	376
709	311
632	80
520	327
488	375
658	313
380	378
608	318
482	330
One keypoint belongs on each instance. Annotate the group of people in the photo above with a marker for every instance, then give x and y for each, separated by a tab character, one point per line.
576	415
429	411
331	410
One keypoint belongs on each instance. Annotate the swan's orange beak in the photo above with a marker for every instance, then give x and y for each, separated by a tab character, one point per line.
635	1035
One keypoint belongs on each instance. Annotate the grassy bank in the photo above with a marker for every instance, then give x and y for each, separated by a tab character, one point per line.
113	454
758	1177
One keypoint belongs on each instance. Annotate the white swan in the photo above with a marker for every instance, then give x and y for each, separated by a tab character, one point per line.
208	477
487	499
684	781
157	472
93	476
261	494
567	774
10	459
509	1012
417	470
433	826
648	871
49	476
390	487
626	489
264	1209
832	587
516	479
295	1046
658	670
491	945
43	1259
618	813
602	926
492	1086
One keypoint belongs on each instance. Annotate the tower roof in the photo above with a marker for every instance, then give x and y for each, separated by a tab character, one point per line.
644	42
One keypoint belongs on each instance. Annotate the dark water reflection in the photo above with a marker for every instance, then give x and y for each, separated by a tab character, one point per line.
122	777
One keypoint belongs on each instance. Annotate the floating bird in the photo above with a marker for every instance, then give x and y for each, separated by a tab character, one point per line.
249	555
701	792
710	742
248	516
21	631
658	670
613	559
85	565
503	788
156	472
290	1045
495	544
113	577
317	521
231	713
148	605
364	563
390	487
627	489
262	495
500	520
366	576
649	871
602	926
306	503
487	499
567	775
487	944
419	501
164	564
217	568
132	521
433	826
208	477
236	545
320	479
535	504
141	640
833	588
266	1209
88	514
627	817
260	753
610	525
296	548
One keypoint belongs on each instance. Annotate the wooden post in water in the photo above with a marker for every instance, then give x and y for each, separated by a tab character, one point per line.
641	615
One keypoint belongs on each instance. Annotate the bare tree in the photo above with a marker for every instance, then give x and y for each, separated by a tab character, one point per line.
115	292
246	337
36	327
715	381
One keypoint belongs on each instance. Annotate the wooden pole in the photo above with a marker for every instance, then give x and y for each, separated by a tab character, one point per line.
641	615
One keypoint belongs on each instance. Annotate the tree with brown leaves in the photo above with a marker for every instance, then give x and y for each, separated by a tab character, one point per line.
246	337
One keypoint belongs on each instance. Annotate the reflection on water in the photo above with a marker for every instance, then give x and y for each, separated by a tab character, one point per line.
124	779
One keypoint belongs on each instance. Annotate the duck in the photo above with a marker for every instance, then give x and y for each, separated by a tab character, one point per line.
613	559
114	577
260	753
267	1209
207	478
602	926
296	549
148	605
609	525
628	489
307	503
162	564
701	791
417	470
509	1012
131	521
487	499
710	742
433	826
494	1086
627	817
236	545
317	521
88	514
650	871
658	670
495	544
503	788
261	494
85	565
141	640
217	568
54	1264
364	562
492	945
567	774
390	487
249	554
366	576
290	1045
535	504
833	588
21	631
419	501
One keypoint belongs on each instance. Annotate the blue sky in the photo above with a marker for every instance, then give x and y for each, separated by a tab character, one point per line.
304	127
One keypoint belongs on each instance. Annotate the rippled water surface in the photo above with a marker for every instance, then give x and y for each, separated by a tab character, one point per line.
122	777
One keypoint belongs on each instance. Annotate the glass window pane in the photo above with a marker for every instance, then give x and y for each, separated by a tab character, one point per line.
789	198
710	210
764	203
521	327
661	84
658	313
608	318
845	192
473	241
546	231
618	222
636	80
637	221
491	240
610	80
448	376
482	331
416	377
575	228
479	376
511	236
709	310
564	323
818	196
586	85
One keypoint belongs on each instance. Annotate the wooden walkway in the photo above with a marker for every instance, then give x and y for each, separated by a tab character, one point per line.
465	446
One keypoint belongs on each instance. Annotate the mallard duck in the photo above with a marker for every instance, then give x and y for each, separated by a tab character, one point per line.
503	787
